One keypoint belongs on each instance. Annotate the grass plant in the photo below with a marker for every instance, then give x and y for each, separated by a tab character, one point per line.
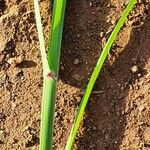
51	70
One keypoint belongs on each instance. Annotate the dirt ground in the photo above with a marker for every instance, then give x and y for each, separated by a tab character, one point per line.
118	113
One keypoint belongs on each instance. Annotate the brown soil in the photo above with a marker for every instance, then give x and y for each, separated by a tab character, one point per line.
118	114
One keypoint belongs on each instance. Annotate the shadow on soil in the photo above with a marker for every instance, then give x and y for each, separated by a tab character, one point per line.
27	64
105	118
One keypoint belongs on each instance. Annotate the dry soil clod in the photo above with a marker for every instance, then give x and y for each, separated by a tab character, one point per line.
15	61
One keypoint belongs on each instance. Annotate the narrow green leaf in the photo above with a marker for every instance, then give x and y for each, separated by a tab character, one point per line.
95	74
56	35
41	38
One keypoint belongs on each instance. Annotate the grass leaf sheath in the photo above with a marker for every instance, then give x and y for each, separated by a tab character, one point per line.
50	69
95	74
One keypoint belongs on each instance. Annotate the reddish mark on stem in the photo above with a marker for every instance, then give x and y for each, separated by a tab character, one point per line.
51	75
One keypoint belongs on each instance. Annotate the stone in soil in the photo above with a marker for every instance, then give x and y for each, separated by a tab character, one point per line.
76	61
134	69
77	77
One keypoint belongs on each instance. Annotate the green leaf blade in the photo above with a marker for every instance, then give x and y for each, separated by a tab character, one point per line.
95	74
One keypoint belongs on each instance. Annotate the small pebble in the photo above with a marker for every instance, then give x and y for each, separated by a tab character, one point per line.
141	108
107	137
78	35
139	1
92	146
94	128
62	68
123	112
93	13
134	69
13	106
113	21
139	74
77	77
1	131
101	34
76	61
